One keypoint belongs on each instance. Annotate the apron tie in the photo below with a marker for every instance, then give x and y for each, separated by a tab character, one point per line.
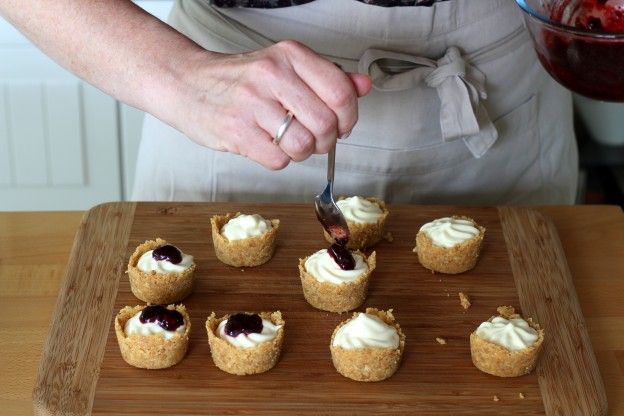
460	87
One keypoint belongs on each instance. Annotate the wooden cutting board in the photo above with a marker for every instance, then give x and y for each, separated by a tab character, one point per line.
522	264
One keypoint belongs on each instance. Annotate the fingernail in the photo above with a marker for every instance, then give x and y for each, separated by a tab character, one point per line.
344	136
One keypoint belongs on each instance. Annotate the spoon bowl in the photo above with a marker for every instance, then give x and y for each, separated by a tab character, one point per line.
327	212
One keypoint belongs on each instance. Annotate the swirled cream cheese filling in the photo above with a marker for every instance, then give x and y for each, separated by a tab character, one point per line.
147	263
513	334
358	209
448	232
364	331
242	340
135	326
245	226
325	269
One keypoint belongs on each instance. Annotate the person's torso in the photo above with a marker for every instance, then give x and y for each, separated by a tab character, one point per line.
272	4
397	150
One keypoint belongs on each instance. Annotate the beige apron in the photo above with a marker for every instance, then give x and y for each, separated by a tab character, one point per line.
461	111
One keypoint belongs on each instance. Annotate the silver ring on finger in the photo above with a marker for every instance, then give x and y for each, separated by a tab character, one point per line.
281	130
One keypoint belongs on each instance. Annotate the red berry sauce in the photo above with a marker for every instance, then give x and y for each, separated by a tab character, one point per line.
591	67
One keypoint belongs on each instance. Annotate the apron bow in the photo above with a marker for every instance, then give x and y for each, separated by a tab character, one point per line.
459	85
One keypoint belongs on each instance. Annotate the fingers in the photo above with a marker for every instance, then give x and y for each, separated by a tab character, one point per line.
297	142
251	93
313	118
361	82
258	146
333	86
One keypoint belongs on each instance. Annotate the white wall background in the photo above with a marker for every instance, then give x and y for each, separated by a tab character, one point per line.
64	145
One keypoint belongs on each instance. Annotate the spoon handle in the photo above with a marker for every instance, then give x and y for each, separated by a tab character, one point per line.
331	162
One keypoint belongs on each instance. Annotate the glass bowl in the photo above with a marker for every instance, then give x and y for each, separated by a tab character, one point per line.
590	63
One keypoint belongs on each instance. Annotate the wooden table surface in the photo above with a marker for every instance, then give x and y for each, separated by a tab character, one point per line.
34	249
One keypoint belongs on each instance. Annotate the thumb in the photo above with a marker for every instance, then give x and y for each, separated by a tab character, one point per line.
361	82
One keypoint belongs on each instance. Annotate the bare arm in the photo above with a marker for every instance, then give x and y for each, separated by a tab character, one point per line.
227	102
112	44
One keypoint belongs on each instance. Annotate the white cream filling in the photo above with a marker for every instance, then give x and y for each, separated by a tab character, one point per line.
325	269
269	331
245	226
360	210
448	232
364	331
135	326
148	264
513	334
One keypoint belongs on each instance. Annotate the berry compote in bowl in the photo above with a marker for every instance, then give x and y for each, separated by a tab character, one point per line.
580	43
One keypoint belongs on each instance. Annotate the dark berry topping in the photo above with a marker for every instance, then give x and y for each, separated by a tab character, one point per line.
587	65
167	253
594	24
342	256
167	319
243	323
339	234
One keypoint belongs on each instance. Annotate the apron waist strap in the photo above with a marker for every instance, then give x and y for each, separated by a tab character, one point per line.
459	85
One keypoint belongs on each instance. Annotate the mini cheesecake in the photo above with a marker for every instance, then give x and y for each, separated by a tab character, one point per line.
368	347
245	343
242	240
506	345
449	245
329	286
153	336
160	273
366	219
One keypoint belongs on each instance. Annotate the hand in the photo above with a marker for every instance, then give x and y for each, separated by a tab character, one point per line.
228	102
236	103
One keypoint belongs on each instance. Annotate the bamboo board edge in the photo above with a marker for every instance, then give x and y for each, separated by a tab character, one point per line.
67	374
568	373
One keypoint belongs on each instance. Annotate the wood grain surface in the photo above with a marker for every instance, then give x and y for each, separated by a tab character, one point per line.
546	291
72	354
433	379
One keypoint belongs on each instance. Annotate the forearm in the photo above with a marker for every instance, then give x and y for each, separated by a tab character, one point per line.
231	102
112	44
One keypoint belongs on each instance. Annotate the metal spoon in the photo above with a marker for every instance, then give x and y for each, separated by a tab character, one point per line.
326	209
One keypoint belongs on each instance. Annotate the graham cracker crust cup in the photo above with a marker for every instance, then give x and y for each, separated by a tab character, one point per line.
151	351
245	361
450	260
499	361
368	364
333	297
248	252
154	287
365	235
